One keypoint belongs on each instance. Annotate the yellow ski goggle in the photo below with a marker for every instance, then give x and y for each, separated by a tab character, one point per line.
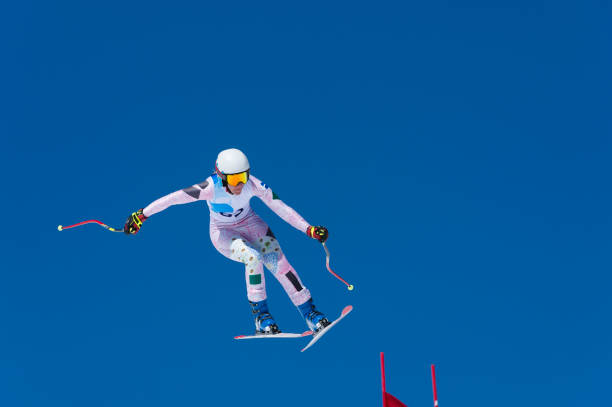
235	179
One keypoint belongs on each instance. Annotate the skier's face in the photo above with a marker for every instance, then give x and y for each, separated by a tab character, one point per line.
236	190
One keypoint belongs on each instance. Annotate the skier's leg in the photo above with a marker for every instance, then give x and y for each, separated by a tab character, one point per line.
232	245
300	295
256	285
288	278
254	275
275	261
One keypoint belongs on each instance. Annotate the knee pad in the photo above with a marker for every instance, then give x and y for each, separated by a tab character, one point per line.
270	260
241	252
270	251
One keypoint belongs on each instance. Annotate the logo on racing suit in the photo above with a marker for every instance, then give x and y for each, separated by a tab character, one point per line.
226	210
229	215
274	196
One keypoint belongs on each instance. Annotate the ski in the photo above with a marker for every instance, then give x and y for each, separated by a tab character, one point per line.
276	336
323	331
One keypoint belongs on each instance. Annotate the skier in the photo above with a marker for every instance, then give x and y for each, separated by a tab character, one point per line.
239	234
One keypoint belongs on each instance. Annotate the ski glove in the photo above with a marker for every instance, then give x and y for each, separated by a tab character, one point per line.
134	222
318	232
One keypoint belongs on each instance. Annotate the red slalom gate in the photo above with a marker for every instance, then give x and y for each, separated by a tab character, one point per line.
389	400
433	381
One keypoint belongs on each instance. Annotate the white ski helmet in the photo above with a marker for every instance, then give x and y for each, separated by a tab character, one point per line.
231	161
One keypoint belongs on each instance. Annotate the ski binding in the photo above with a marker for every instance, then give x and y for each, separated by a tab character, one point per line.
317	335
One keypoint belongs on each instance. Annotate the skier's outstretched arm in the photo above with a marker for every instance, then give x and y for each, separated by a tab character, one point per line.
286	213
197	192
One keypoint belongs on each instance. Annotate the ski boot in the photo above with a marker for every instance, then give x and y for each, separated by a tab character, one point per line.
264	322
314	319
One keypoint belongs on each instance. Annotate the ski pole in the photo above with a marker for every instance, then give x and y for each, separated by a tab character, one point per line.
60	227
349	286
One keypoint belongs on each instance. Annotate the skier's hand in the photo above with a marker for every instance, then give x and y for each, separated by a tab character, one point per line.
318	232
134	222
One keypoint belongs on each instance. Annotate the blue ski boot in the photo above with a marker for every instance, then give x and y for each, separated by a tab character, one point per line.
314	319
264	322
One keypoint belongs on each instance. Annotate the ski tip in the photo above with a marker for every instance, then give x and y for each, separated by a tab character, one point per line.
347	309
239	336
60	228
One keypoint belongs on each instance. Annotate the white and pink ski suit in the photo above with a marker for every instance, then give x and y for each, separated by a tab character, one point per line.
240	235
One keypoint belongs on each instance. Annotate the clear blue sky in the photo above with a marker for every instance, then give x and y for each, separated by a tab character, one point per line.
458	152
